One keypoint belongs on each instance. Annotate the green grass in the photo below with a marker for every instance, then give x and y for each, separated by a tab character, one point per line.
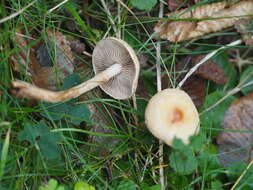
117	153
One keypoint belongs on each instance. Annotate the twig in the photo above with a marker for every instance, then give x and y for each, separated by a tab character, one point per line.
206	58
242	175
230	93
57	6
16	13
159	88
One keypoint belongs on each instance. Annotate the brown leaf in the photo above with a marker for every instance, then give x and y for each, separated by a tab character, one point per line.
236	146
195	87
177	31
76	45
37	60
245	27
101	124
210	71
174	4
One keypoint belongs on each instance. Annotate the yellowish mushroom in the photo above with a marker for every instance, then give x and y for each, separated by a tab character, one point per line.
171	113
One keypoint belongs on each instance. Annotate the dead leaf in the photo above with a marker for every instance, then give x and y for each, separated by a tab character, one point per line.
76	45
245	27
236	146
38	60
174	4
210	71
141	90
101	125
195	87
177	31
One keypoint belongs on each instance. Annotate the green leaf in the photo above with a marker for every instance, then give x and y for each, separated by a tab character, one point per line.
126	185
75	113
54	111
144	4
216	185
52	185
29	133
183	162
247	76
197	142
148	187
70	81
178	144
39	134
80	185
207	162
78	113
212	119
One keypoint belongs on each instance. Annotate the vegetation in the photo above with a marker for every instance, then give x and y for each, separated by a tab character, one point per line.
95	141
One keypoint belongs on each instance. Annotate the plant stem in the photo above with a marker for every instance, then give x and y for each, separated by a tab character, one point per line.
159	88
24	89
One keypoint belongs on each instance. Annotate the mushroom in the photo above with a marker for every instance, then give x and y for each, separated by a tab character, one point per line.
116	67
171	113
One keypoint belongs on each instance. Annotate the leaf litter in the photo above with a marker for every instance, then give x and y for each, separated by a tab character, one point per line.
38	60
195	86
235	141
212	17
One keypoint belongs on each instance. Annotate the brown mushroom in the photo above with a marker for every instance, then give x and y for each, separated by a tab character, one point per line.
171	113
117	69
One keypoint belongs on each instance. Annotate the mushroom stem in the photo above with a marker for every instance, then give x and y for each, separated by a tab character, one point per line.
24	89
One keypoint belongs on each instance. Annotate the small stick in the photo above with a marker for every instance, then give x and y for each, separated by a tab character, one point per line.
242	175
206	58
159	88
24	89
16	13
57	6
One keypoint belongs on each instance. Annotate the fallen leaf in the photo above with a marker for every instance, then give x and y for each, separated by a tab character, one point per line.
213	20
235	141
101	125
211	120
195	87
210	71
76	45
245	27
37	61
175	4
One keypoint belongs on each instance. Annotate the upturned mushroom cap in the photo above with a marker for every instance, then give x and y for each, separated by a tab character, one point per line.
171	113
111	51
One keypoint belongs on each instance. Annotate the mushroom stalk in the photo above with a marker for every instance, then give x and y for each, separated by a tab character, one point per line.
25	89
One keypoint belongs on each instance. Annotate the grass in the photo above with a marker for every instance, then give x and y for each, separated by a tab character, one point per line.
113	151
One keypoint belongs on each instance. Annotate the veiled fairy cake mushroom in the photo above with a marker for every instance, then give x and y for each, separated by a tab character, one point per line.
171	113
117	70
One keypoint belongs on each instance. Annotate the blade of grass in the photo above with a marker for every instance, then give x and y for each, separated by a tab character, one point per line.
4	153
80	21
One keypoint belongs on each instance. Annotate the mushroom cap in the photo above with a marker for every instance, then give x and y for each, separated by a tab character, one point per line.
111	51
171	113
